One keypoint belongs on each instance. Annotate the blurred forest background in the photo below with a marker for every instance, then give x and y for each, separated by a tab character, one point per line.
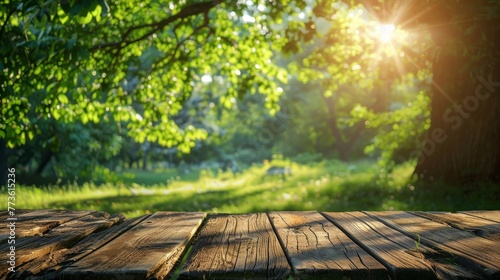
244	106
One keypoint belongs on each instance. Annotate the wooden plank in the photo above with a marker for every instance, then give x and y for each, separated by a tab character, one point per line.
236	247
475	225
63	236
50	267
317	249
476	253
4	214
38	222
390	247
489	215
149	249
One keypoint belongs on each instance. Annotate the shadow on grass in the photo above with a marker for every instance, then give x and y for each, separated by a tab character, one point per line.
340	197
128	176
322	187
208	201
150	178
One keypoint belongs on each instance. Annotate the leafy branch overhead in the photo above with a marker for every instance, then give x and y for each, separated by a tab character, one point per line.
134	64
152	71
192	10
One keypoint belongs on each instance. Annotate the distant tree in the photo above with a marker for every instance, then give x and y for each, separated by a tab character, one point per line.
349	64
67	149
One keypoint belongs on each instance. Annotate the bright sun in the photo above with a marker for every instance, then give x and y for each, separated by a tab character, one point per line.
386	32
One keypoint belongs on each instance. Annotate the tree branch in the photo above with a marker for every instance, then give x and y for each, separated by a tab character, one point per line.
179	43
191	10
6	21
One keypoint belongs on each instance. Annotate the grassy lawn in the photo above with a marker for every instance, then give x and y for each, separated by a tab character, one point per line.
323	186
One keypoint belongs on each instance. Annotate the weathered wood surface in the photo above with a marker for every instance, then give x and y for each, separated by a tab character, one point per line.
489	215
5	214
153	246
476	253
50	267
387	245
37	223
236	247
318	249
60	237
475	225
276	245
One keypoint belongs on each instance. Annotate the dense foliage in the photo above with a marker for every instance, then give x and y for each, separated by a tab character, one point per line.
92	83
135	64
73	66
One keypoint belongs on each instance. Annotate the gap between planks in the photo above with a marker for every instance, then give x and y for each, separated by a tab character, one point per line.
56	261
234	247
150	249
317	249
306	221
60	237
473	252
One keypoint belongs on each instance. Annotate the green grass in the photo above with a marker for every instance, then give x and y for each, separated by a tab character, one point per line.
324	186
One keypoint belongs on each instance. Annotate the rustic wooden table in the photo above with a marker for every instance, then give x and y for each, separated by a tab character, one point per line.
53	244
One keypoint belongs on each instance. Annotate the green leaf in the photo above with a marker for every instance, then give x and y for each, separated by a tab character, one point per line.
63	98
84	20
97	12
56	114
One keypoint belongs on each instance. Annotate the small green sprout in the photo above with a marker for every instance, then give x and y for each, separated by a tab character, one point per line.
417	243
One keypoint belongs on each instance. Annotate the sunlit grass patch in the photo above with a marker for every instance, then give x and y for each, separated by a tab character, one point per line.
323	186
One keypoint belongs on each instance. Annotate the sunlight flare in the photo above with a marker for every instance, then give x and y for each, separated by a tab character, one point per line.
386	32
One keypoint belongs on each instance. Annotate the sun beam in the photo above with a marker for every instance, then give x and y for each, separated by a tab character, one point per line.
386	32
389	50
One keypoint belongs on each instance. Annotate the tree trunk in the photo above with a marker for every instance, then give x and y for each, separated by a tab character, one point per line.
145	161
463	142
44	161
146	147
342	147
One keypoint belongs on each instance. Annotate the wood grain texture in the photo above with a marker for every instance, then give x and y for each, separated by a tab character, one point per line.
38	222
318	245
63	236
388	246
236	247
317	249
4	214
475	225
155	243
476	253
489	215
50	267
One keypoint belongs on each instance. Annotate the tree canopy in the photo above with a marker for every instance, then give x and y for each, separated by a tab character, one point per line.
133	63
146	70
